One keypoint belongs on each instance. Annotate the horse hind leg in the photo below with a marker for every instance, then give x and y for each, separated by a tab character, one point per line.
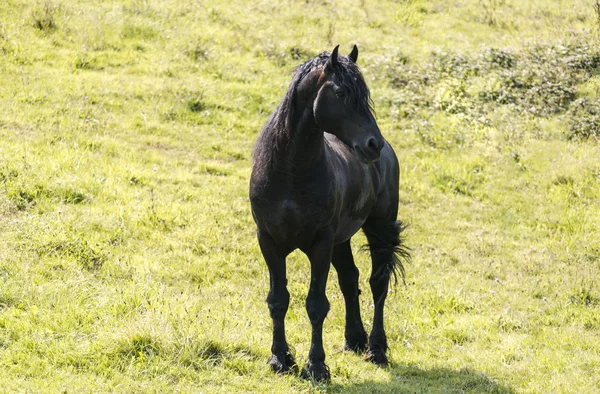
387	255
343	261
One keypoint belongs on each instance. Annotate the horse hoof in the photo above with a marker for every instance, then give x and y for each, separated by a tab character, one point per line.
377	357
316	371
282	363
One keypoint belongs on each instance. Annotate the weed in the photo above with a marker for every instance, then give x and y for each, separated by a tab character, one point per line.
140	346
196	105
584	295
198	51
457	337
44	17
490	10
133	30
89	257
330	32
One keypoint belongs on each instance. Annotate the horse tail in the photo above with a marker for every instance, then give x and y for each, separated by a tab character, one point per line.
386	242
401	252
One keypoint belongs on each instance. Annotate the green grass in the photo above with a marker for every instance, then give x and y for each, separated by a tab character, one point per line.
128	261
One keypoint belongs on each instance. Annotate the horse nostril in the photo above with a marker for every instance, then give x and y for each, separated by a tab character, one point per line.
372	144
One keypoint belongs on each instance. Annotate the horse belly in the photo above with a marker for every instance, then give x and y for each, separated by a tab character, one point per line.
347	228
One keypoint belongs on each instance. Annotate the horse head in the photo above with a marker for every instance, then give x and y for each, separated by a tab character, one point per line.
342	106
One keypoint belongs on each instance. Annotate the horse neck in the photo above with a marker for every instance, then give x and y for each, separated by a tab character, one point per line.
302	146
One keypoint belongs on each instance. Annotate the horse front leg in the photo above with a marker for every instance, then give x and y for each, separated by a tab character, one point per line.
317	307
278	299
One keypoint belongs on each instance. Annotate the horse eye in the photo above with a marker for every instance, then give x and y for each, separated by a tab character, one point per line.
340	94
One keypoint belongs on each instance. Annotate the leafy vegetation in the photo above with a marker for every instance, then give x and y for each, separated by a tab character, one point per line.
128	260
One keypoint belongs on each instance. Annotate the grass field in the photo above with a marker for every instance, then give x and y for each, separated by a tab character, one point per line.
128	259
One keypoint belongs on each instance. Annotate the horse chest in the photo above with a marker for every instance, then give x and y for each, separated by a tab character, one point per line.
303	212
293	220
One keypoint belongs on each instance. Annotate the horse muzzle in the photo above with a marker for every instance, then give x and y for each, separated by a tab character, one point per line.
370	151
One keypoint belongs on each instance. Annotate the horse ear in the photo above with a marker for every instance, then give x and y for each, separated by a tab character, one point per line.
333	59
354	54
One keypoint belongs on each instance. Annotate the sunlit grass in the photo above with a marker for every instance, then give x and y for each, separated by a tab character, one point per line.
128	260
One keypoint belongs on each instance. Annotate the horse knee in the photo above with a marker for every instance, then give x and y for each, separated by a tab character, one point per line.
278	303
317	309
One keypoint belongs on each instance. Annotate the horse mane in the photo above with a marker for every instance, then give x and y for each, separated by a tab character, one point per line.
280	122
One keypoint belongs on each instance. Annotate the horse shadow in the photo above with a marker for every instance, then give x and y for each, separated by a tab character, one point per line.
412	379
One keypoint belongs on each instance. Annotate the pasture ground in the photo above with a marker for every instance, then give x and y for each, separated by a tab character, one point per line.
128	261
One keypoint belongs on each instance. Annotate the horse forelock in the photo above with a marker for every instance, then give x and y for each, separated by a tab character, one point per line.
348	76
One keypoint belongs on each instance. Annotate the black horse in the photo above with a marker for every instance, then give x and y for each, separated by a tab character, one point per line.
322	170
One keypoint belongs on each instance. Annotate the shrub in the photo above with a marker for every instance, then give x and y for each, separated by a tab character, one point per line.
585	120
539	80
